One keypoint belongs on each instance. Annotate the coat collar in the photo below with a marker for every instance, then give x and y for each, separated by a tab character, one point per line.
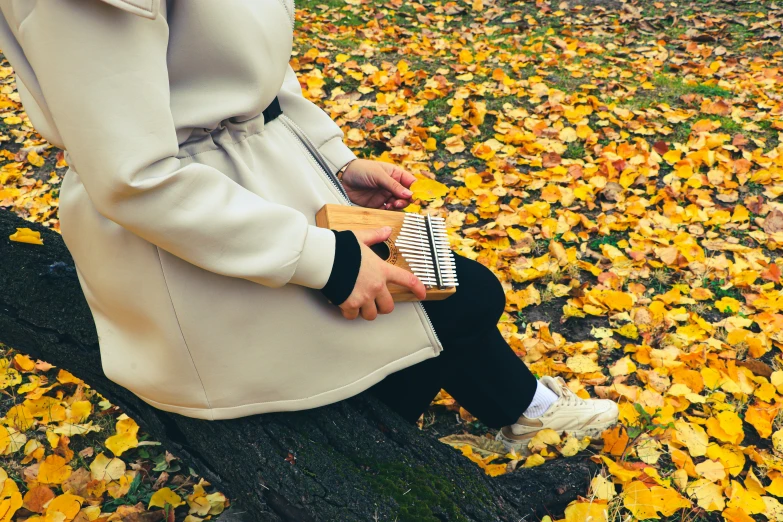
146	8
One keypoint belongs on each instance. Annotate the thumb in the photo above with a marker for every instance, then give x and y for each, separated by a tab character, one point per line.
371	236
393	186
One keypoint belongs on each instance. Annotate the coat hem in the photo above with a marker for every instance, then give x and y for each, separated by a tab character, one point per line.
321	399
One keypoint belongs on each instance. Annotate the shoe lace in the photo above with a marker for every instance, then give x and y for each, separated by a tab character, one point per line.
566	395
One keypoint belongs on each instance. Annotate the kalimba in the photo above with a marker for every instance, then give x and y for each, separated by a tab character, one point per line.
418	243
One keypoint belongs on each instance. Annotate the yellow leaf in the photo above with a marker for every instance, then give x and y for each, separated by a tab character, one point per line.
751	503
727	305
24	362
21	417
544	437
736	514
692	436
776	487
760	415
67	504
731	457
709	496
54	470
711	470
619	472
125	438
571	446
35	159
165	496
120	488
10	497
582	364
428	189
602	488
104	468
533	460
643	503
26	235
595	511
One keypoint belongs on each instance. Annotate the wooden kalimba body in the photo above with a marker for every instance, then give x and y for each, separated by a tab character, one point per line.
417	244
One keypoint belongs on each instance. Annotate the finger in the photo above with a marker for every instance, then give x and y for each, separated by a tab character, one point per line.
407	179
369	311
384	302
407	279
371	236
393	186
400	203
389	203
350	313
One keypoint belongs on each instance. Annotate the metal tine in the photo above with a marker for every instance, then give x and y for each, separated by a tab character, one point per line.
421	264
411	225
419	240
416	256
414	252
440	241
428	269
422	239
419	260
413	241
423	270
410	235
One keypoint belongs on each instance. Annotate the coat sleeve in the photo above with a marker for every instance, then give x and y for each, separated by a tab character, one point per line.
317	124
104	76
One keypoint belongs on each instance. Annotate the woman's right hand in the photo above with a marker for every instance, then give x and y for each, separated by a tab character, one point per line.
371	295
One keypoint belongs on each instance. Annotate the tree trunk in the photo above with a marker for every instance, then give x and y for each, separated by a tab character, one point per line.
354	460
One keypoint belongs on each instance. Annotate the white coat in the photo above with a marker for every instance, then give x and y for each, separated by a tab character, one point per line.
191	222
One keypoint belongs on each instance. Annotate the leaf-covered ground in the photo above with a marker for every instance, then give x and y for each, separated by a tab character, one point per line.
618	165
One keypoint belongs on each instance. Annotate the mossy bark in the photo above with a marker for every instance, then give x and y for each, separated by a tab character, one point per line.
352	460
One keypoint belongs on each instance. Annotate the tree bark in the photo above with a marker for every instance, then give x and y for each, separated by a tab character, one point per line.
354	460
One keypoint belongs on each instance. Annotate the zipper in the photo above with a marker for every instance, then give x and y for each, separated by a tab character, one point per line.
312	150
290	12
439	345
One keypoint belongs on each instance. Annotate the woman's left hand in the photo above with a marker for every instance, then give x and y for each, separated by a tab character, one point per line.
377	184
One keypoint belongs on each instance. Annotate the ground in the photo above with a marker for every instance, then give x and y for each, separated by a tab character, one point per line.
617	165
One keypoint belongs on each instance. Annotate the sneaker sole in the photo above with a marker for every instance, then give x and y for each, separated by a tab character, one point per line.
522	449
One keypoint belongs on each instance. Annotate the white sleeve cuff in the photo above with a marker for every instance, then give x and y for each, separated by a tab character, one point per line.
316	260
336	153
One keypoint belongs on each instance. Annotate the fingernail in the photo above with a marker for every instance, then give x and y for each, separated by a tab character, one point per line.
406	192
386	229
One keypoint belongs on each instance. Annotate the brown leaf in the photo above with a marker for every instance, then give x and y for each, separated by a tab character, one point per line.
36	497
773	222
550	159
76	483
661	147
612	192
757	367
162	479
755	204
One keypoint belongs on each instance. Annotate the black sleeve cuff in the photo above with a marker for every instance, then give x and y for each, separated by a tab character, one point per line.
345	270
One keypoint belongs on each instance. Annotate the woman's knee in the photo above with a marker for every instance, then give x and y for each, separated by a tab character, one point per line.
484	290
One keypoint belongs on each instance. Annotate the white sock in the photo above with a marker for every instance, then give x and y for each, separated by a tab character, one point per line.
542	400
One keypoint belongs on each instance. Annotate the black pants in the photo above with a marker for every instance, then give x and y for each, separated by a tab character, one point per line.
476	367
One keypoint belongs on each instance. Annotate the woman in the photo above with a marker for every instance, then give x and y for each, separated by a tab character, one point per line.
196	168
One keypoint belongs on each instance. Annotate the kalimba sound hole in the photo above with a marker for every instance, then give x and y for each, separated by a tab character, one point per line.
382	249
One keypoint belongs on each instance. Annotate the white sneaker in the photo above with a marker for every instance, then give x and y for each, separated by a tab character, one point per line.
569	413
